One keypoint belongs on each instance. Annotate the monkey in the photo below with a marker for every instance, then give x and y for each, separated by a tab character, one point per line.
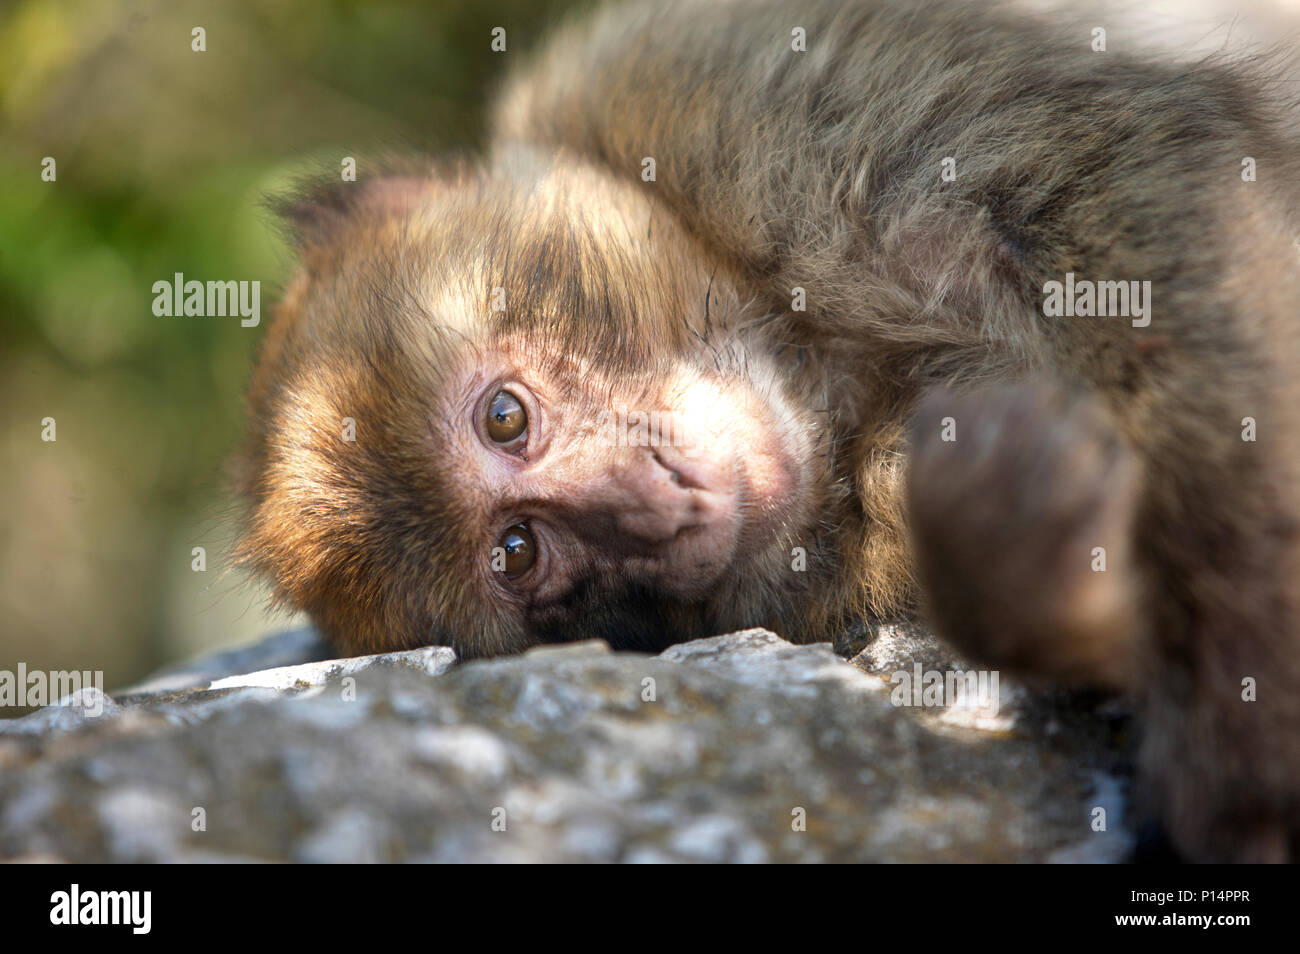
823	236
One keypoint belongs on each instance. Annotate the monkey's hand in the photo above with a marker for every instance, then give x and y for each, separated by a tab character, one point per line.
1020	504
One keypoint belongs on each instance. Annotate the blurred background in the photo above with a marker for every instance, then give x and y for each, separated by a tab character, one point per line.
163	156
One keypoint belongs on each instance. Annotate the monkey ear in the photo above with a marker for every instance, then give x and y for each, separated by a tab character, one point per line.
319	208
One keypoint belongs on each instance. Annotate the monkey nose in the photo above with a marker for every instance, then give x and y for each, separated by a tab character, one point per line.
661	500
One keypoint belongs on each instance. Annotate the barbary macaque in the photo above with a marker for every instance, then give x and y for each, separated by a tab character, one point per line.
948	311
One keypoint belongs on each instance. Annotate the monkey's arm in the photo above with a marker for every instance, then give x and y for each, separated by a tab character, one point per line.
824	168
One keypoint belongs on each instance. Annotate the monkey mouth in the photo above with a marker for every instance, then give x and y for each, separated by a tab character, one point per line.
774	469
754	495
730	504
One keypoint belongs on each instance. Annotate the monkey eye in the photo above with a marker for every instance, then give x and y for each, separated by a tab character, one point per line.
520	550
506	418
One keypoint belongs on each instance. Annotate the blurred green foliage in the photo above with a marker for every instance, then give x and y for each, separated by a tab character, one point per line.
164	156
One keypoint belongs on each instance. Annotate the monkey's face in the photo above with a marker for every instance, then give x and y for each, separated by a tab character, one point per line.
617	504
558	430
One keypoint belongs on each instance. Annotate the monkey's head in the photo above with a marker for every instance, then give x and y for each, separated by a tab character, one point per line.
500	408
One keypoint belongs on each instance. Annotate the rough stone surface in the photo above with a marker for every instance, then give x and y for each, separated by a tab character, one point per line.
738	748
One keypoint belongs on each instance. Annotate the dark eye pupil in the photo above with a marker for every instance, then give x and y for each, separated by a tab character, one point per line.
520	550
506	419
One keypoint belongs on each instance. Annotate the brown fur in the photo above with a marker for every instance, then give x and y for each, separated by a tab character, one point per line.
821	170
379	539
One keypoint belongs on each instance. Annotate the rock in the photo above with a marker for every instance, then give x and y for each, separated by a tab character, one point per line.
898	645
291	648
72	712
431	660
740	748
